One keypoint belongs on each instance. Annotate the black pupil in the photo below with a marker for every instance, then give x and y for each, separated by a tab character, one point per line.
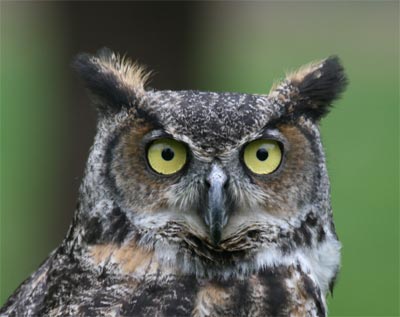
262	154
167	154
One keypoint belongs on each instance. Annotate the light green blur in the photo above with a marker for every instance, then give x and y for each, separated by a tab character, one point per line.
32	136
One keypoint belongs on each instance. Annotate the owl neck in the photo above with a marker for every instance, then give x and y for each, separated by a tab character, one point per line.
109	238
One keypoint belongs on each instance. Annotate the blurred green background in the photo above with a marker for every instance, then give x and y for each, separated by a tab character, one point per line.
47	128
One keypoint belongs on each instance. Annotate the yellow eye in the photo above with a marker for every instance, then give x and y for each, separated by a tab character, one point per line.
262	156
166	156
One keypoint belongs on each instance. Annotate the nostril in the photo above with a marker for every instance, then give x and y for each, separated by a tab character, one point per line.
226	184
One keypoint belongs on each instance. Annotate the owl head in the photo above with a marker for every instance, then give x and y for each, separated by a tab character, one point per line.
208	181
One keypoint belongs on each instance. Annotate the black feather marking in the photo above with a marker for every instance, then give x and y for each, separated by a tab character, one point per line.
305	233
94	231
242	301
277	298
313	292
333	281
119	226
321	234
108	159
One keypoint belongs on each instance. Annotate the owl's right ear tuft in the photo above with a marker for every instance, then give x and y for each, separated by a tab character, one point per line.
113	81
311	90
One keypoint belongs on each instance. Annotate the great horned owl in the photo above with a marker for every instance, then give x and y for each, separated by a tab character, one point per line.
196	203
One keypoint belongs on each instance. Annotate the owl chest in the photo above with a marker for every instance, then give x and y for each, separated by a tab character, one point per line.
276	292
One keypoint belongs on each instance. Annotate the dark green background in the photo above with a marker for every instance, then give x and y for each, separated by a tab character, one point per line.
46	129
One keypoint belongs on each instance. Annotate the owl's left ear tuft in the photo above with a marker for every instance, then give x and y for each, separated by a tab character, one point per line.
312	89
113	81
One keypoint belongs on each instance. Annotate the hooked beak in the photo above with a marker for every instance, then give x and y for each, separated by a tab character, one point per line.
216	215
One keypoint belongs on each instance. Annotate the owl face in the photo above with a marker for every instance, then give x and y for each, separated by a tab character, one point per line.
212	176
214	162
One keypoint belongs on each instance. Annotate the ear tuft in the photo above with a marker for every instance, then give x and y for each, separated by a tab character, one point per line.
113	81
313	88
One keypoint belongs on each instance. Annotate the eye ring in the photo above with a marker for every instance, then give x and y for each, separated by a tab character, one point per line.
166	156
262	157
